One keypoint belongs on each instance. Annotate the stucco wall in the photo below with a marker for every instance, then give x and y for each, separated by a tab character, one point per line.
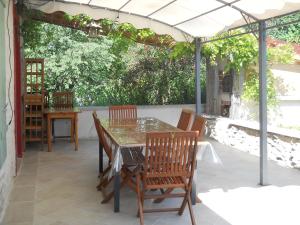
286	113
287	86
8	169
167	113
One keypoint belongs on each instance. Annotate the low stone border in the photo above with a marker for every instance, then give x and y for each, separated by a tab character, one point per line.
282	147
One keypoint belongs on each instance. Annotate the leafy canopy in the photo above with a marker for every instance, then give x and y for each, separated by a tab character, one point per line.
110	69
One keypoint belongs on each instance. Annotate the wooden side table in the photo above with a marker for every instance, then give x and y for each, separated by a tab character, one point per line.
65	113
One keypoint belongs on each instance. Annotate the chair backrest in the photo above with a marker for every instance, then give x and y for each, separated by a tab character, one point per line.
199	125
101	136
46	100
117	112
185	119
170	154
62	100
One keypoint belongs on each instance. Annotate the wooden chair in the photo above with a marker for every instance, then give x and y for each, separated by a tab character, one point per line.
105	146
117	112
63	100
170	161
131	158
199	125
185	119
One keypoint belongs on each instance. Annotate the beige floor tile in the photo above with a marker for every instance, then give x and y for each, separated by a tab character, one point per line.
65	190
23	193
43	220
21	223
30	169
19	212
25	180
29	160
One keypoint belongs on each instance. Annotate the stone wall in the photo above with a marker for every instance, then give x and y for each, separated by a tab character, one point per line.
283	145
7	172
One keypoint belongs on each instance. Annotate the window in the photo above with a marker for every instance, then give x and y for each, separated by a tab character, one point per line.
2	88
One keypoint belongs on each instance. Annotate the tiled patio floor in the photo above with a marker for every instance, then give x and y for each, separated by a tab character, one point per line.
58	188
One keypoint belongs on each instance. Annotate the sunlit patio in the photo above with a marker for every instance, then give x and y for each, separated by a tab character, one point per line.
55	183
59	188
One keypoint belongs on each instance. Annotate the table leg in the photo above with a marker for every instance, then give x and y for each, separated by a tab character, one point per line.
53	129
72	130
100	158
194	193
117	179
49	132
76	131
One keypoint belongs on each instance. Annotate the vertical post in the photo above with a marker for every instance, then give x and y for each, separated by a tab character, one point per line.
198	105
197	75
263	102
17	84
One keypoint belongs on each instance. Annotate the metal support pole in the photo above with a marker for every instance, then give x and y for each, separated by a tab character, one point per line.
197	75
263	103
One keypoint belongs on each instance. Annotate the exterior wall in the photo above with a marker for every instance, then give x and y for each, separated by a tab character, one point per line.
7	170
287	86
167	113
286	113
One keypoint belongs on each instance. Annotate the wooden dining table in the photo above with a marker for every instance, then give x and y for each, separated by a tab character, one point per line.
124	134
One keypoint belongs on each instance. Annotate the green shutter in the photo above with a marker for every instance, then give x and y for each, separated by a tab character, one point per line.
2	89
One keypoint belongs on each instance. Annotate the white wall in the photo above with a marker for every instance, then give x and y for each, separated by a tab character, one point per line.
8	169
286	113
167	113
287	86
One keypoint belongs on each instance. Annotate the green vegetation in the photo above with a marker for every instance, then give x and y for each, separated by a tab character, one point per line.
241	52
290	33
110	69
251	88
114	69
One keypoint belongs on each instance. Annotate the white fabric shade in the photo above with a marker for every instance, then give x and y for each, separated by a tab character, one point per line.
182	19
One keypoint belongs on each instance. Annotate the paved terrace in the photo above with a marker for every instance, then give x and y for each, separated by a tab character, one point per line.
59	188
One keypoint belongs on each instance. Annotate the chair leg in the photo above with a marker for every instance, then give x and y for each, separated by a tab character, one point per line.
183	204
142	202
140	199
189	200
111	194
103	183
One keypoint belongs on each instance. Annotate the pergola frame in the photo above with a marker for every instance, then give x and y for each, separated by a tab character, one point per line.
263	159
125	9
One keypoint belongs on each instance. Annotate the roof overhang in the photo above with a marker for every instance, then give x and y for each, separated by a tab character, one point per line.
182	19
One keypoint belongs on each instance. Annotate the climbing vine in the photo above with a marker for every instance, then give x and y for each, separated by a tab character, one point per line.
241	52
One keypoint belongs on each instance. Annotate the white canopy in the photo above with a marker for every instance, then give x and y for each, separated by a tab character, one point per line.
182	19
